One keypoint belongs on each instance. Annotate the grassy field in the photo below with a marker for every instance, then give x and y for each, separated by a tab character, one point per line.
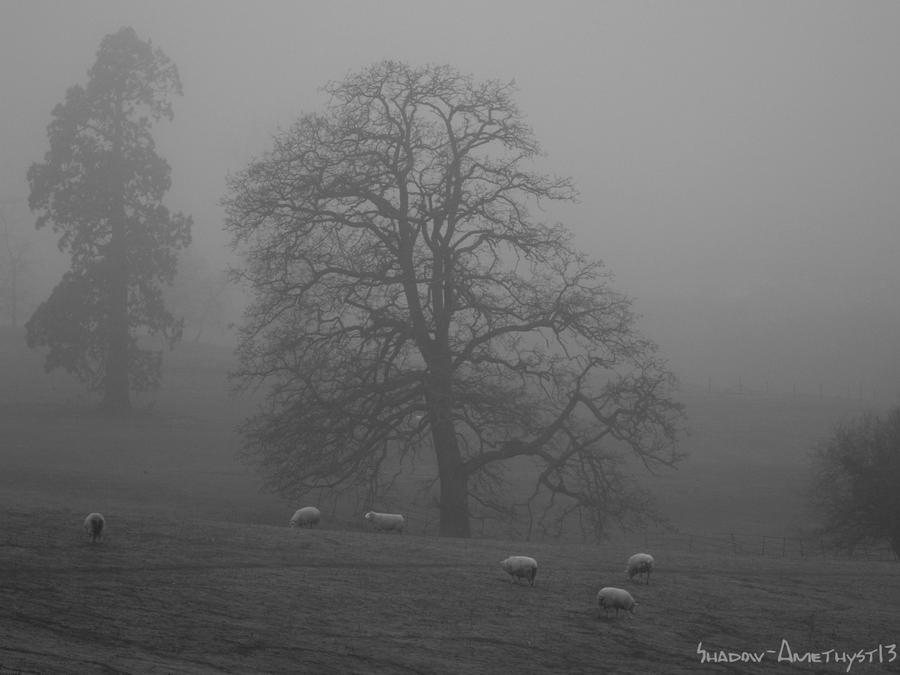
175	595
199	573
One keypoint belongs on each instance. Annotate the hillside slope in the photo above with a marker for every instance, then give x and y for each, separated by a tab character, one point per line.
182	596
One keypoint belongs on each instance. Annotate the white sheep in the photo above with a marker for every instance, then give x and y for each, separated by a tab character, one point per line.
308	516
93	525
386	521
617	598
638	564
520	566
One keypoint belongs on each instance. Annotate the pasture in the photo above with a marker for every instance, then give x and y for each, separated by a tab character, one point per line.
198	571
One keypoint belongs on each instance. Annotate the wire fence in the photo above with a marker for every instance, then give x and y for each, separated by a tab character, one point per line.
809	546
424	521
763	545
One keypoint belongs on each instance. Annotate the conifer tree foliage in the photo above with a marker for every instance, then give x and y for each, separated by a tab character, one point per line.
100	187
407	305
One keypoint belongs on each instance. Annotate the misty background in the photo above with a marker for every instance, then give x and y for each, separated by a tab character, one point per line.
738	162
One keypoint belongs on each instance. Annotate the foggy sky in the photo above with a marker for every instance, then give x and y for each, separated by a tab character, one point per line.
738	162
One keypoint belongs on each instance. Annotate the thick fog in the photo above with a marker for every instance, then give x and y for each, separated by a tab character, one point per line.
738	162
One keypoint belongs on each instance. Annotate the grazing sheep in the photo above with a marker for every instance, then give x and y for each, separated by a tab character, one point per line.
638	564
93	525
308	516
610	597
386	521
520	566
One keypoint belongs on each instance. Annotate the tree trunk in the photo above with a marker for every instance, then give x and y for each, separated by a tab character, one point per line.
454	500
894	541
454	504
116	394
116	390
14	295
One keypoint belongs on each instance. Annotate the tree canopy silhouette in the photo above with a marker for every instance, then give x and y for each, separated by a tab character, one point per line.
406	302
100	187
856	472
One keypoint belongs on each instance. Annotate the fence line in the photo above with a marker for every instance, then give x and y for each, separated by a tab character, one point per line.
423	521
763	545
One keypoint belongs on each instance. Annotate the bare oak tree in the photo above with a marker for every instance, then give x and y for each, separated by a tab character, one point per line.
406	301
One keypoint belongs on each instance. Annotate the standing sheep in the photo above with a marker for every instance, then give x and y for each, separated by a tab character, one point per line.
93	525
520	566
386	521
308	516
610	597
638	564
